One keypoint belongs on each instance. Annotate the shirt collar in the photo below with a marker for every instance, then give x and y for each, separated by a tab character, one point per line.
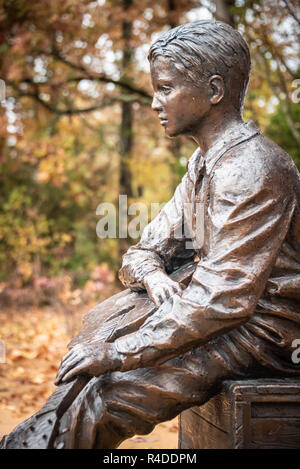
229	139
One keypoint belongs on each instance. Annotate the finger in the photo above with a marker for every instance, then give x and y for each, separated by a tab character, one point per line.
58	378
70	375
156	300
68	355
60	374
168	292
160	296
75	349
70	363
66	368
74	358
80	369
177	289
173	290
65	361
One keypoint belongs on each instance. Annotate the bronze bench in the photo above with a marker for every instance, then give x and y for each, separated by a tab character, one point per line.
261	413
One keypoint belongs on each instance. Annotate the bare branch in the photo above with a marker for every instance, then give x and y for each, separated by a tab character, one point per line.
108	101
291	11
87	75
70	111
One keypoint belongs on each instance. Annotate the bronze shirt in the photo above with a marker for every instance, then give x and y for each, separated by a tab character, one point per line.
238	209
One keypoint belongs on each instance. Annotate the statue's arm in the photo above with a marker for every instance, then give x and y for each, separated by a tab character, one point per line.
248	220
161	245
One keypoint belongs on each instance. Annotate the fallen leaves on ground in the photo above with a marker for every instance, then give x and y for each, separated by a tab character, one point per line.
35	341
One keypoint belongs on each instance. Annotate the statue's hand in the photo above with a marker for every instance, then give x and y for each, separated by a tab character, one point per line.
160	287
92	359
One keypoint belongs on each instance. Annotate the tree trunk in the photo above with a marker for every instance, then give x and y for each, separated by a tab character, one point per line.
126	130
223	12
126	140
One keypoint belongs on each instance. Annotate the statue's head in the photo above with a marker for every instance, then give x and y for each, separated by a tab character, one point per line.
207	60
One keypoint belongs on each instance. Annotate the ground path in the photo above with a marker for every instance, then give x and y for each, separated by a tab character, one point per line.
35	341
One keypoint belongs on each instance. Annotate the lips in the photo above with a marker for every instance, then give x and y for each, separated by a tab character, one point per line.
162	120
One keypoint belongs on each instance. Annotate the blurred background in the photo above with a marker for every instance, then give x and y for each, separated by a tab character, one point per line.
77	130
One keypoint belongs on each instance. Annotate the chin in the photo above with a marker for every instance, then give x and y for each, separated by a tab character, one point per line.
172	132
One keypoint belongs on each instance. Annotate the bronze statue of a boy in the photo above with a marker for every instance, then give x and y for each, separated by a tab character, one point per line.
239	202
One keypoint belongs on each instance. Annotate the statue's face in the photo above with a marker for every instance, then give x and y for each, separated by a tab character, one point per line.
180	104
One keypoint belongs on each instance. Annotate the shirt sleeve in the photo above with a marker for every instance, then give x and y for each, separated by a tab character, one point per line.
162	245
246	222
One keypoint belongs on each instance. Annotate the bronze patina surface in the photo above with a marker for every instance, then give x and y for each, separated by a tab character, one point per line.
214	283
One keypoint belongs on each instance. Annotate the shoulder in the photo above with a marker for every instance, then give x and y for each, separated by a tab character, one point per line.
255	165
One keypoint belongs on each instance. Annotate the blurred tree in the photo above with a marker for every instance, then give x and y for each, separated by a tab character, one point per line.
224	11
77	127
279	130
272	32
62	64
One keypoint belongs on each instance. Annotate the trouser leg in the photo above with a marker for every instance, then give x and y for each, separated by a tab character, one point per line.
118	405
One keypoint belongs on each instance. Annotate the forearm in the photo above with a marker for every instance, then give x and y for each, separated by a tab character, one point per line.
161	244
174	329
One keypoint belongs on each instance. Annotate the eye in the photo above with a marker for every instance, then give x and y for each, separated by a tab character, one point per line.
165	89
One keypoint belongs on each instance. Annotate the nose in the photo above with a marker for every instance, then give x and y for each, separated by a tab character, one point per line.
156	104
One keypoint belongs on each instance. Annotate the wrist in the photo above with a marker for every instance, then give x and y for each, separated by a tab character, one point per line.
115	358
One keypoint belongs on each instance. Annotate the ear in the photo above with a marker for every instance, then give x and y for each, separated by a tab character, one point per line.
218	89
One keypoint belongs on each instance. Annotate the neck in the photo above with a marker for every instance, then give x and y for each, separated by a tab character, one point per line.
214	126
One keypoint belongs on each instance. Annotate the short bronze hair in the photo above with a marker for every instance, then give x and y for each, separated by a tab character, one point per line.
204	48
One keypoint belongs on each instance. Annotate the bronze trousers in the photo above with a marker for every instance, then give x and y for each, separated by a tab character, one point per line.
116	406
